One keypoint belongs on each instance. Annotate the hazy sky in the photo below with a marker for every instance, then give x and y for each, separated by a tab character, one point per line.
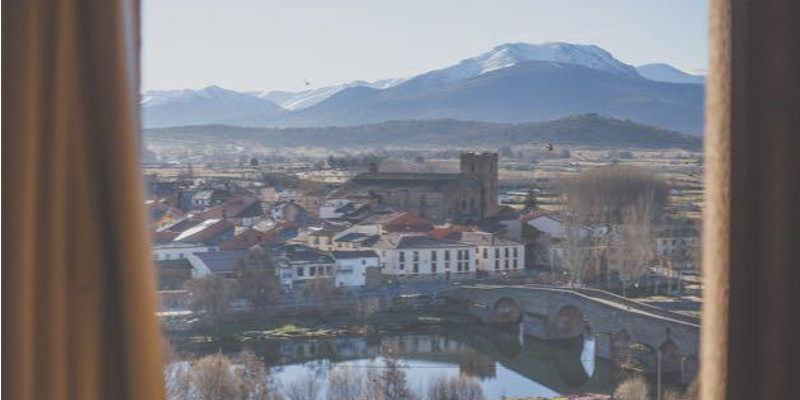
271	44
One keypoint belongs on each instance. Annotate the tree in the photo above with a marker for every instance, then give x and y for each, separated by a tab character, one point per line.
258	282
601	195
634	250
530	202
455	388
634	388
252	378
210	295
213	378
323	293
576	249
616	195
395	384
345	384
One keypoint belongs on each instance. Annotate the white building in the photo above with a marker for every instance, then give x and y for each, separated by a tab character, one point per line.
299	264
422	256
178	250
494	254
351	267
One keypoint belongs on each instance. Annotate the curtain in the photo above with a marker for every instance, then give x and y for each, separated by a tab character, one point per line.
751	243
79	296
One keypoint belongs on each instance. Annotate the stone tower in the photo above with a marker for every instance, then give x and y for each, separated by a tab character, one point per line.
482	167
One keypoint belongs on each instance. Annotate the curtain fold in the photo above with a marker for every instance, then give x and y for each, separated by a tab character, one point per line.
751	258
79	296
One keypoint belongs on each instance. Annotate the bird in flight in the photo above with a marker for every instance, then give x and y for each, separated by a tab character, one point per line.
308	82
547	145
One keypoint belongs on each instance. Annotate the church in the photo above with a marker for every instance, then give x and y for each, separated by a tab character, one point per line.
468	196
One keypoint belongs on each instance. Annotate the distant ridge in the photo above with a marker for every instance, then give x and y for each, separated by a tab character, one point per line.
578	130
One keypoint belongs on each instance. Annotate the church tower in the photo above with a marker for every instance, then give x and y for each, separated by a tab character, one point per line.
482	167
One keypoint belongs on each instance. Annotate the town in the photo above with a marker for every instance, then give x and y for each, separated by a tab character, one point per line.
378	228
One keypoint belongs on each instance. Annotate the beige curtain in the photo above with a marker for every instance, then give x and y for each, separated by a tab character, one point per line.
78	283
751	315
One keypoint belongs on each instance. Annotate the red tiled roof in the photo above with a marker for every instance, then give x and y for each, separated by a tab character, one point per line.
404	222
247	239
442	233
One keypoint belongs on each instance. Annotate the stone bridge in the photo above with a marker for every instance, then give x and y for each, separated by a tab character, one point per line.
624	330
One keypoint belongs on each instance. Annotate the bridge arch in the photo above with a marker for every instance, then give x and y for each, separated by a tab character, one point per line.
671	357
568	323
506	310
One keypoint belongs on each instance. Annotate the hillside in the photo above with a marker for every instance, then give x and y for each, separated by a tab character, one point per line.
579	130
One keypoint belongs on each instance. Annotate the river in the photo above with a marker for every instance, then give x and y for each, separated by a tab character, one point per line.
503	361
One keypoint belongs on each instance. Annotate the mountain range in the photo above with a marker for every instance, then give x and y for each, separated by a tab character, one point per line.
512	83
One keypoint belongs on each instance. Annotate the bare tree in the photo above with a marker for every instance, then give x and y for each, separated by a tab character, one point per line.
634	250
634	388
212	295
252	378
604	198
601	195
213	378
323	293
576	248
345	384
305	387
455	388
258	282
395	384
373	385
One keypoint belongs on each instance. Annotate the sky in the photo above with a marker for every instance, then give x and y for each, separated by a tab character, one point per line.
255	45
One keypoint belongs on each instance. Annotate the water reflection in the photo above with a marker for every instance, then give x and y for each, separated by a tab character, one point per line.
506	363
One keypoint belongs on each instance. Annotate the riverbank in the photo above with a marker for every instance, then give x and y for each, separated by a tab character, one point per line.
247	327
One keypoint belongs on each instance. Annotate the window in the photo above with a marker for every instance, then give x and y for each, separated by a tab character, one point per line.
300	271
321	168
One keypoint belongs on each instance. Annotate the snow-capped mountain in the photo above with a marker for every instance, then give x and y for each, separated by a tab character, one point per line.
667	73
502	56
210	105
510	54
307	98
